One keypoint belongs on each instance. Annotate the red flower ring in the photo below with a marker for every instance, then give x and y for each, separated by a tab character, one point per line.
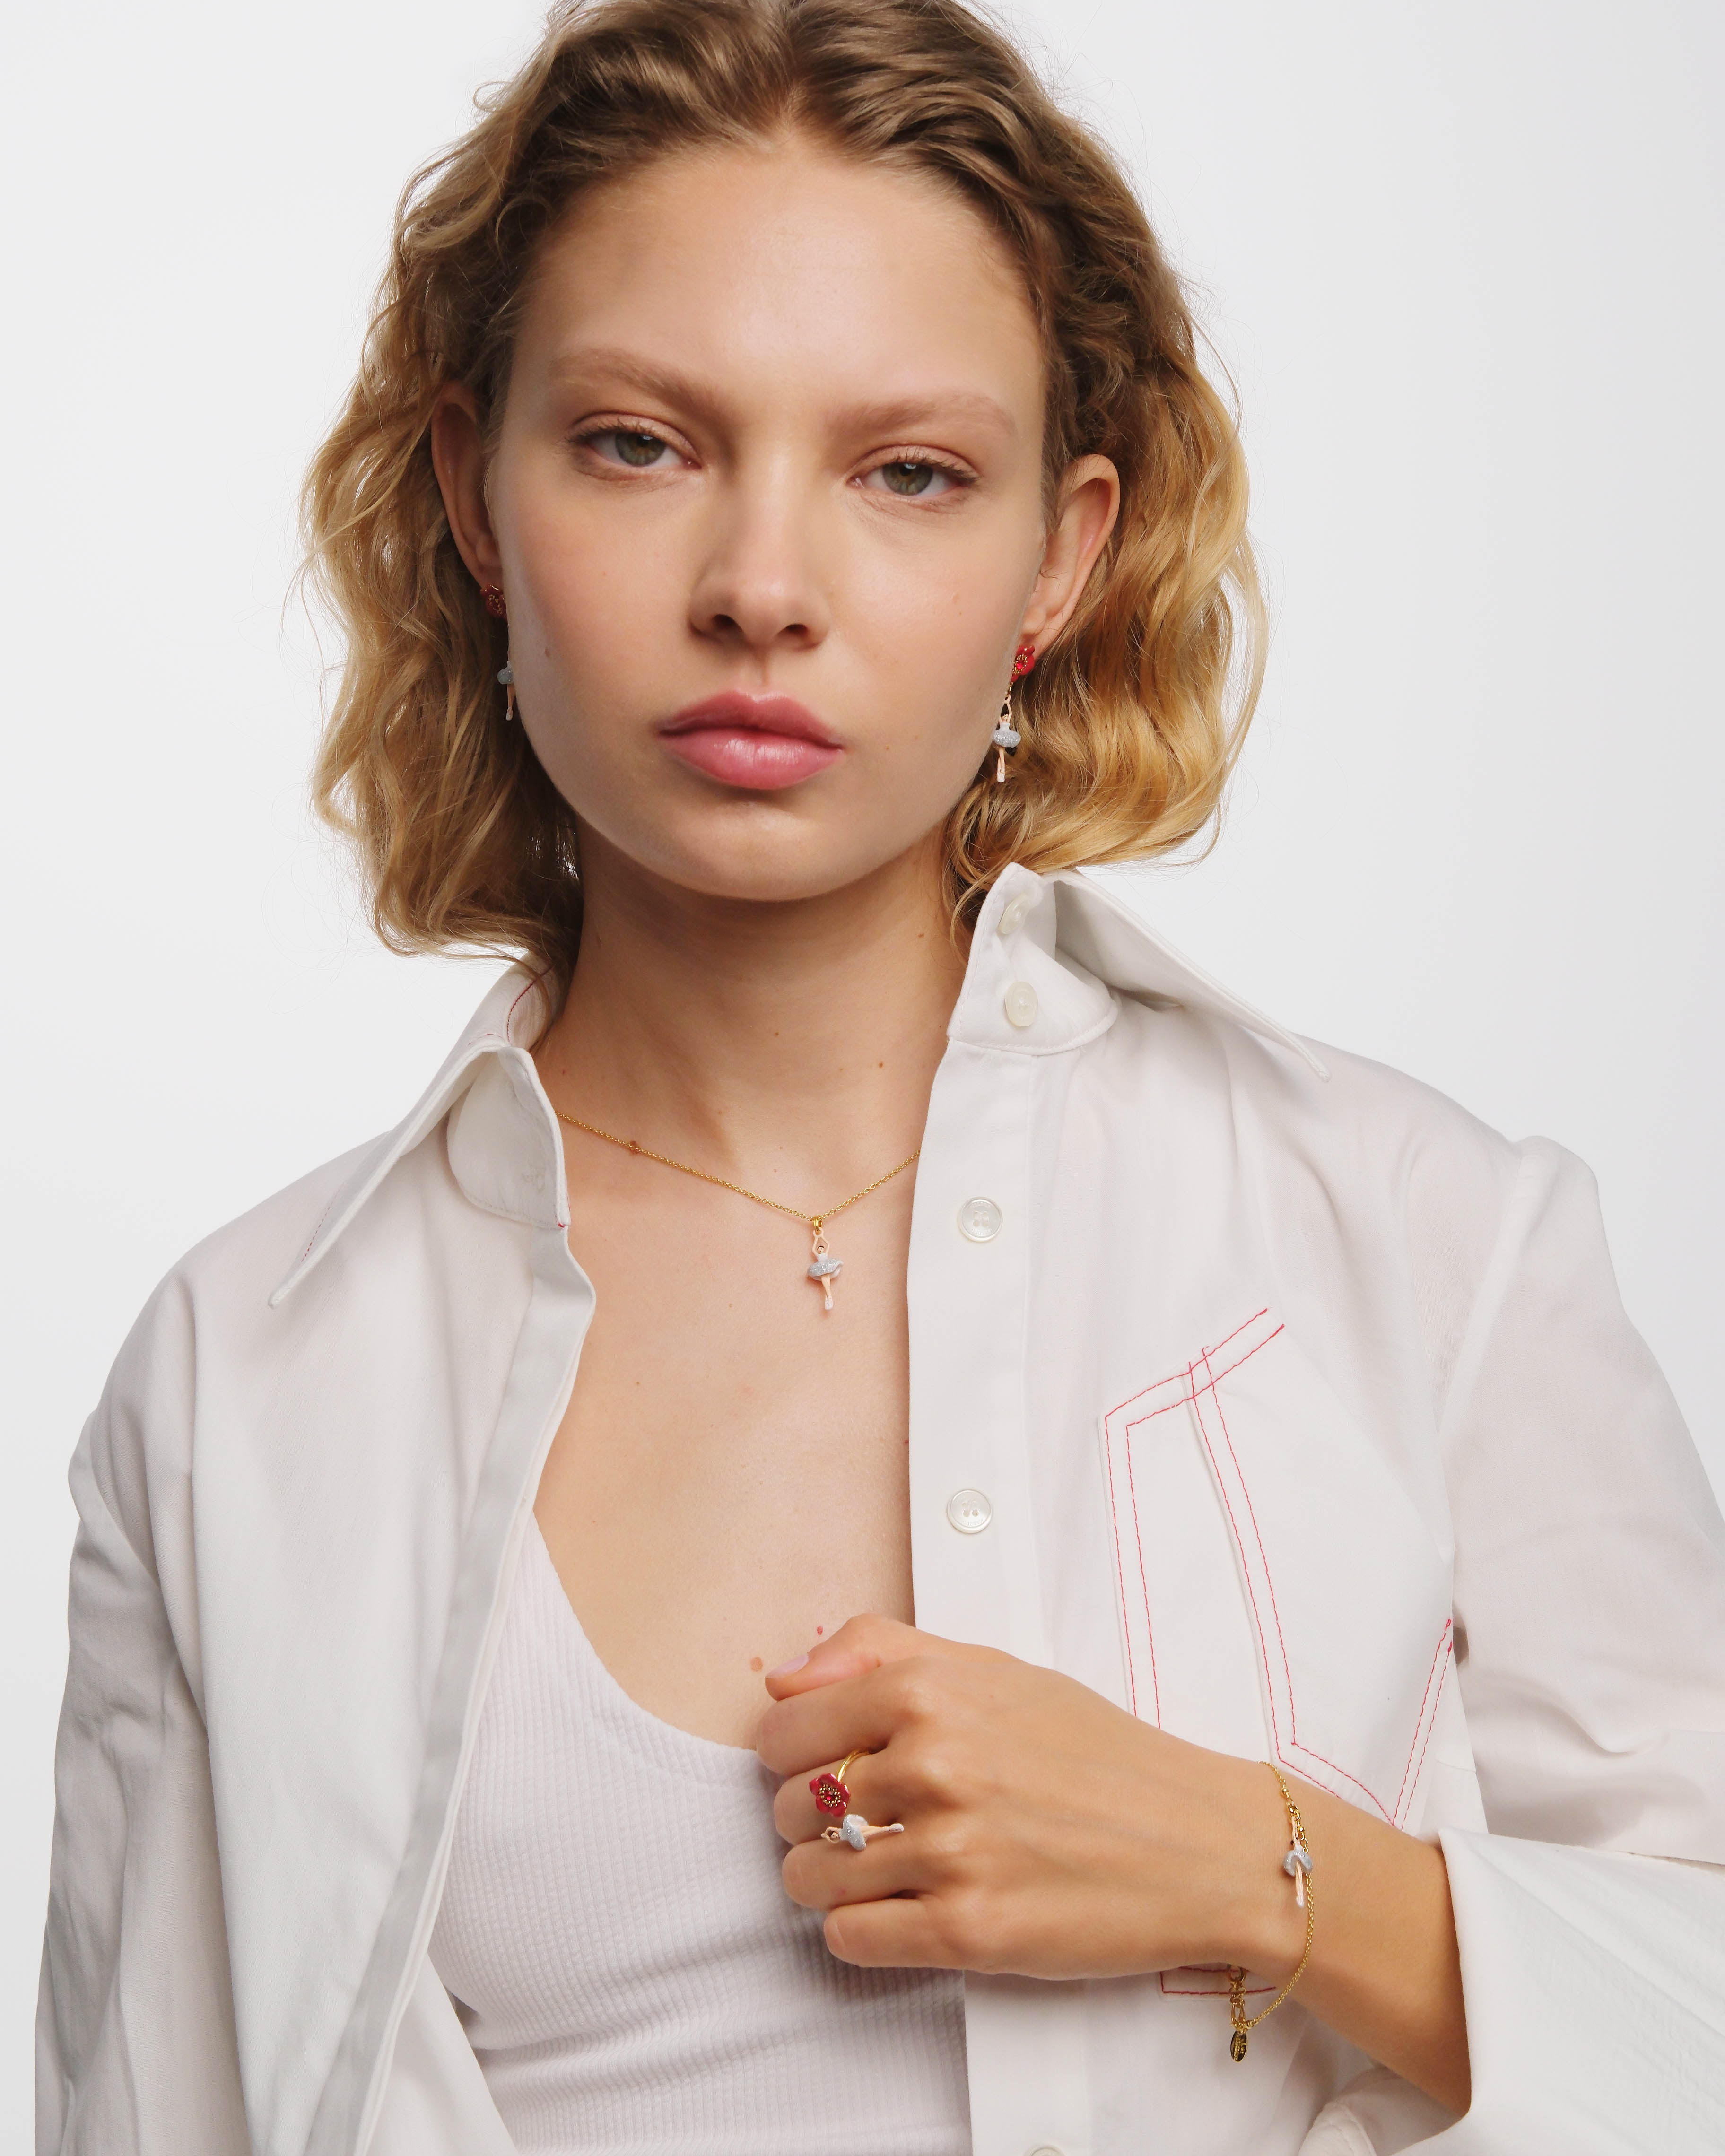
831	1792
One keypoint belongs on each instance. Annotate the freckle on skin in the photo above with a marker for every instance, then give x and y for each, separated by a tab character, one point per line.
755	1664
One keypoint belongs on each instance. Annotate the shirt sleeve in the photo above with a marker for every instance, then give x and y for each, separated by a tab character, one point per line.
135	2046
1590	1630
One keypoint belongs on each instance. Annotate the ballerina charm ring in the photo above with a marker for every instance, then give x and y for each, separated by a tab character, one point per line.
855	1832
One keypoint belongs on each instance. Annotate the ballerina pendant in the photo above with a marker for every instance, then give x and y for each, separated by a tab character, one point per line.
824	1268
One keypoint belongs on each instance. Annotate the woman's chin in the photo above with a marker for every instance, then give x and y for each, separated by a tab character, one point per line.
797	863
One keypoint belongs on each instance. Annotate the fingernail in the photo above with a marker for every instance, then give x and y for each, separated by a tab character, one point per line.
785	1669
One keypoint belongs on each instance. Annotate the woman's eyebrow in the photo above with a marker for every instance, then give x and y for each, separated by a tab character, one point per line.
604	365
608	364
908	415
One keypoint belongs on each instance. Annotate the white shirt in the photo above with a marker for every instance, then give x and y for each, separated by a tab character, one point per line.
630	1970
1273	1397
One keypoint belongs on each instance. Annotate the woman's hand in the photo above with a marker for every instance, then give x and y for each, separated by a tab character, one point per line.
1048	1832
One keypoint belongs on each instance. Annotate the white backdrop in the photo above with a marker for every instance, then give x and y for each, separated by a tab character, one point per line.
1462	257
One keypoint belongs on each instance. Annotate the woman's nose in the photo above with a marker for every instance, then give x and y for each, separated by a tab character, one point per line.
763	583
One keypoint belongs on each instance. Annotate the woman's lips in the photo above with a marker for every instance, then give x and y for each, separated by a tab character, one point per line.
758	743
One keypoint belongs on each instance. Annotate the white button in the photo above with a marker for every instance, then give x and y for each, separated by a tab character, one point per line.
1012	914
979	1219
969	1510
1047	2148
1020	1003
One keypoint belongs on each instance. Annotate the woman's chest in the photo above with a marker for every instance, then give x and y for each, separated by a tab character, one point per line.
730	1480
620	1986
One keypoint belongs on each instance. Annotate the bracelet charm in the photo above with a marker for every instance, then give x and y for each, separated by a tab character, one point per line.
1297	1865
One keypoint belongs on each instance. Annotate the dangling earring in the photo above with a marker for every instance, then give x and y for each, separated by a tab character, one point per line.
498	606
1005	736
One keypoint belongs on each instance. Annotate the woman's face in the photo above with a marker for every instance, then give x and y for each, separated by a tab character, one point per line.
767	506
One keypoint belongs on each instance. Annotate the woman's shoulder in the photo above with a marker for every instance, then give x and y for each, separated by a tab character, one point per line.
244	1268
1332	1152
1178	1021
1362	1153
229	1273
1368	1106
254	1250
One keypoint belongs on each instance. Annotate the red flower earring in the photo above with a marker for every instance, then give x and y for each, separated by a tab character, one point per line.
498	606
1006	736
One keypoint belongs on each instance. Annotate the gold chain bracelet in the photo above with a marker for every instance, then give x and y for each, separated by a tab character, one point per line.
1298	1863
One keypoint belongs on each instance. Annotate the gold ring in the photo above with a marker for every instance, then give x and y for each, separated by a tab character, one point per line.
832	1794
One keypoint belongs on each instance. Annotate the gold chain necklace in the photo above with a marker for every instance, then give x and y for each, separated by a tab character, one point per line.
824	1268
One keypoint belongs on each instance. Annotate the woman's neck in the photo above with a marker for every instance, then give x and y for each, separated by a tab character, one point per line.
789	1046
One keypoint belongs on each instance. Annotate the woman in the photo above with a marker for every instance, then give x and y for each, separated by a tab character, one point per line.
859	1343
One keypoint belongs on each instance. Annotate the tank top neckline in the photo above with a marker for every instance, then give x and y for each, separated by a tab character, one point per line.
624	1714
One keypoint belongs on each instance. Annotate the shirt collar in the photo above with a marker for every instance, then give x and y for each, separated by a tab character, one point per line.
524	1181
1050	958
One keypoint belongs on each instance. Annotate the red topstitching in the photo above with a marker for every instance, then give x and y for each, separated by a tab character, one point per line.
1193	1394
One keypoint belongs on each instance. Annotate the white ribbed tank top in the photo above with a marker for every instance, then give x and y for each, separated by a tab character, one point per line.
619	1945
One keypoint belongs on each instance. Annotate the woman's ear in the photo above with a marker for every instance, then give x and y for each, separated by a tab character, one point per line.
458	457
1089	503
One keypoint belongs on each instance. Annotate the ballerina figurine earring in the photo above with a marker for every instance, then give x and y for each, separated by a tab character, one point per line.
1006	736
497	605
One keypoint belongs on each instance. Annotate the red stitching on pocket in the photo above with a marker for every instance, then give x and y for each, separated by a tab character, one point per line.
1440	1669
1257	1537
1132	1685
1138	1537
1294	1737
1179	1378
1184	1378
1191	1395
1236	1332
1252	1591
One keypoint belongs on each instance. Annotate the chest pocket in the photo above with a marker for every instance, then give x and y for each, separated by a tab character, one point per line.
1282	1597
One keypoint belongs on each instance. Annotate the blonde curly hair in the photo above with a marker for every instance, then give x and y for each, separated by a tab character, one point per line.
1136	713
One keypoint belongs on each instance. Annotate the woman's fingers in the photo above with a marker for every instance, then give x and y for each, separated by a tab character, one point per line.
905	1933
799	1736
860	1645
818	1875
861	1714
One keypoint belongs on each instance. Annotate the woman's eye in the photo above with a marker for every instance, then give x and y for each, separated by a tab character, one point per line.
630	446
911	476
